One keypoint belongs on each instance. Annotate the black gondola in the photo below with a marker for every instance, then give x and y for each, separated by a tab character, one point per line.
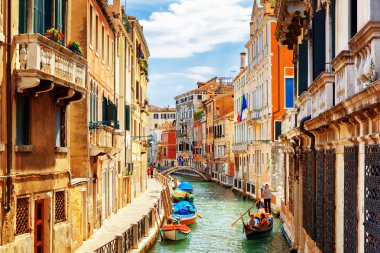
254	233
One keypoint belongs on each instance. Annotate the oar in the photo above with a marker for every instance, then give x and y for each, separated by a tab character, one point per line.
241	216
200	216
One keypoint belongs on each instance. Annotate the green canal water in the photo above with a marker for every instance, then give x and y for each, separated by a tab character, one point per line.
219	207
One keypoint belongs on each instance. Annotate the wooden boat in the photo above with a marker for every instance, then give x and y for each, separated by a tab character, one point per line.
253	233
175	232
186	219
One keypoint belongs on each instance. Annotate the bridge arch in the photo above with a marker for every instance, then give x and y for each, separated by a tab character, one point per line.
202	174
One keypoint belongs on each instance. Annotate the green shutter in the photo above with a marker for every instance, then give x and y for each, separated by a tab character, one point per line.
38	17
104	111
22	16
59	22
302	67
127	118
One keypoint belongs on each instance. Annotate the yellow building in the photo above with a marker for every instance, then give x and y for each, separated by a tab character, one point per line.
139	106
44	80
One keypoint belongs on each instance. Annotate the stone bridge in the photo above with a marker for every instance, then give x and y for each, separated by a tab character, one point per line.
206	176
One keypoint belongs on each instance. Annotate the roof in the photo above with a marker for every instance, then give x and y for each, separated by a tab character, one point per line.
167	126
153	108
210	85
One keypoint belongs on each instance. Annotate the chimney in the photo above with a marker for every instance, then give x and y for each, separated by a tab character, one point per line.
117	7
243	59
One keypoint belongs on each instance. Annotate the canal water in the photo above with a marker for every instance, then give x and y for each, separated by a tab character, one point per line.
219	207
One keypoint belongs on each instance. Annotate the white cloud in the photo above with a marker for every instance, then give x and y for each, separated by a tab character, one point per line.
196	26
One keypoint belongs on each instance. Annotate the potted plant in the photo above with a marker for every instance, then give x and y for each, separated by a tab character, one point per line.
74	46
54	34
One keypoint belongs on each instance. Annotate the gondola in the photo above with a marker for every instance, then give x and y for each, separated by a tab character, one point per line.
257	232
254	233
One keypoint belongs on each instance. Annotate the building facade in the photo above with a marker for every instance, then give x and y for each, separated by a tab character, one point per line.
44	80
268	93
332	136
186	104
166	153
65	139
157	118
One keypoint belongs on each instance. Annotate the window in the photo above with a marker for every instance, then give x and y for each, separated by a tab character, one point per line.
22	216
108	50
96	33
91	14
60	126
200	97
172	116
155	125
155	116
163	116
289	92
22	120
103	43
277	130
60	207
127	118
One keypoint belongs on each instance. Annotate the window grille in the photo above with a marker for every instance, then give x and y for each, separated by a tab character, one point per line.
22	216
372	198
60	207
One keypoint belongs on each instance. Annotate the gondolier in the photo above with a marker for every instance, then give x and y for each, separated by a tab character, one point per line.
267	196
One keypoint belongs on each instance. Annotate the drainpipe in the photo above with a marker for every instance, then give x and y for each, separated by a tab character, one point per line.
8	181
313	158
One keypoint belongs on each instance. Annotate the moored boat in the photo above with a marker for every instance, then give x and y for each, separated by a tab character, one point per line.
175	232
185	219
180	195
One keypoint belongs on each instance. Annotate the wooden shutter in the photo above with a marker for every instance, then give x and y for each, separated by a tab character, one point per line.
127	118
22	14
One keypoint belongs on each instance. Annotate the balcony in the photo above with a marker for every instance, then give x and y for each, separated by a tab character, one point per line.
43	65
304	104
104	139
322	93
344	76
254	117
289	121
239	147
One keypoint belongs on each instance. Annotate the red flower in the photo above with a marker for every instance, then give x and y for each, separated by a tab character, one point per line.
61	35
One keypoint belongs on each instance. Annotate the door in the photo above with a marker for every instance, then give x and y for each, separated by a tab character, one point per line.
39	226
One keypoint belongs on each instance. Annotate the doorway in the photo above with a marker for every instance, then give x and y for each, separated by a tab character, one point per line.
39	226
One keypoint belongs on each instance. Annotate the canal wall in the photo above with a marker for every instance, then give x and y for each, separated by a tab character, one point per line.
133	228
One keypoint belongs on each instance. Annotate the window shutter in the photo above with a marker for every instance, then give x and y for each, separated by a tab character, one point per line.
127	118
303	68
59	14
104	110
22	16
319	42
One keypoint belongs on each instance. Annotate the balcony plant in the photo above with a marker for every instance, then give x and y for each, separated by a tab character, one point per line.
54	34
143	66
146	101
74	46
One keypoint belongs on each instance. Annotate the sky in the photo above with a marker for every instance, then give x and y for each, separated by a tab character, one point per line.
190	41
